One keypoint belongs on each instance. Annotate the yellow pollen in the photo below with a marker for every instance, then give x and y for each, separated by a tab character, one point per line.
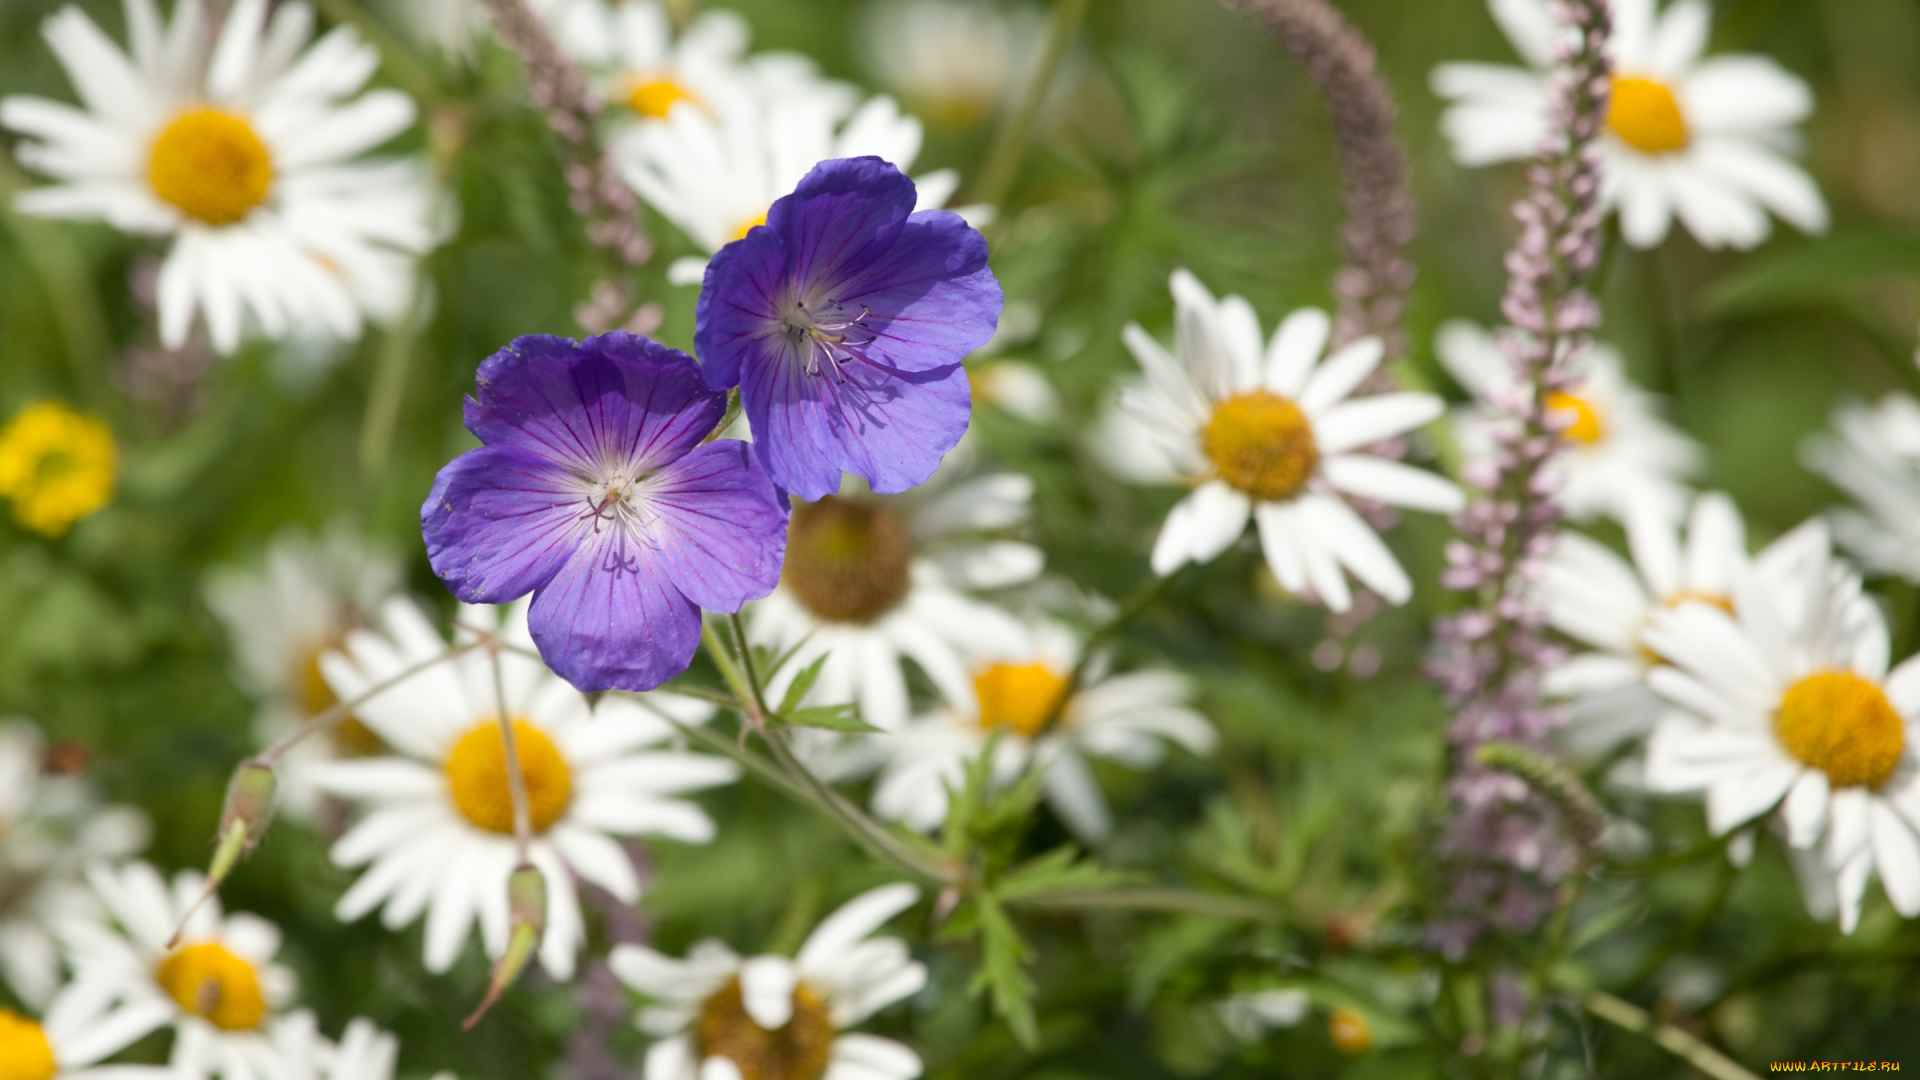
798	1051
211	165
1645	115
847	561
655	98
25	1053
56	465
1350	1032
1017	696
1262	444
1586	427
215	985
1843	725
741	232
477	777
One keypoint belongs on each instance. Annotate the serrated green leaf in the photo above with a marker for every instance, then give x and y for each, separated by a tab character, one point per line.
1002	974
1060	868
802	683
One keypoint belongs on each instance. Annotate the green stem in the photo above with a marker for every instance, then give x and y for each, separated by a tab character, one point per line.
1147	898
1722	887
1136	605
389	385
1010	142
76	309
1682	1045
327	720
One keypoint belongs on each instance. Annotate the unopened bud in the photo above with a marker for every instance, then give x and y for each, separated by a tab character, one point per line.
527	912
243	824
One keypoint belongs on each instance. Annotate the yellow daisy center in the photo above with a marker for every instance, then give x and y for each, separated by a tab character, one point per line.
56	465
655	97
215	985
741	232
1262	444
1586	426
798	1051
1843	725
211	165
1017	696
477	777
1646	116
1350	1032
25	1053
847	561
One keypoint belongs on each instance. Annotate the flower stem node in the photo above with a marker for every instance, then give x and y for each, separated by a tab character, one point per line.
527	910
243	824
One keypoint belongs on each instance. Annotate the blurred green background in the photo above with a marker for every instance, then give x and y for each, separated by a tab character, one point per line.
1180	136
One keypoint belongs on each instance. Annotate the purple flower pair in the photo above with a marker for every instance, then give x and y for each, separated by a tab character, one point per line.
844	321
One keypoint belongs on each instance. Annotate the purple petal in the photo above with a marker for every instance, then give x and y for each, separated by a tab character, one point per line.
611	619
615	397
932	297
844	215
499	522
722	529
891	428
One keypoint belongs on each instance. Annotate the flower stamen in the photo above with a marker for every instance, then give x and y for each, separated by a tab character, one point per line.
25	1053
1843	725
477	777
1645	114
1262	444
212	983
211	165
1018	697
800	1050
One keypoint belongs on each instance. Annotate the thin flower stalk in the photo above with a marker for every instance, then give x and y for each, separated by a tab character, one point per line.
1505	837
1370	289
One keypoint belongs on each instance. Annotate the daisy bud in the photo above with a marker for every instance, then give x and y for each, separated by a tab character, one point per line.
527	910
243	824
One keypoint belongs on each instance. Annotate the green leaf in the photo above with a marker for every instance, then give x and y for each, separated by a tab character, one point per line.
1815	270
802	683
1059	869
832	717
1002	975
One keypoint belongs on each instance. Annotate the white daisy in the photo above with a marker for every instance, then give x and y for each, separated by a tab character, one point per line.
1705	139
715	171
282	613
81	1026
1017	389
638	63
219	989
1273	437
1619	453
1797	710
722	1017
364	1052
871	579
51	827
1126	718
245	155
952	61
437	833
1873	454
1608	604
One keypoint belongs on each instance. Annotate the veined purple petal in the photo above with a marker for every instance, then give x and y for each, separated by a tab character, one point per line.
721	529
499	522
615	397
890	427
843	217
611	619
932	296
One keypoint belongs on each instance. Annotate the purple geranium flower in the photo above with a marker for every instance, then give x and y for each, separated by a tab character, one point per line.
594	493
843	321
